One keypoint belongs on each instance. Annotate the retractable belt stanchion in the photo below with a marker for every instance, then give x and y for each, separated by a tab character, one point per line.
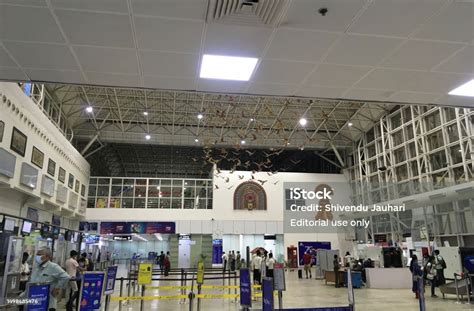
142	302
121	293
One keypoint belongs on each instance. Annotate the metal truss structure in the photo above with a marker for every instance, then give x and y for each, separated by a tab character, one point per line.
412	151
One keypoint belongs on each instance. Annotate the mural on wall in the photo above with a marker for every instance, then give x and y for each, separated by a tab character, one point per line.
250	196
324	215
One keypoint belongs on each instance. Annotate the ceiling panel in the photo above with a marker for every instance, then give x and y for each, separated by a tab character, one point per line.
311	45
412	97
5	59
55	75
171	83
168	35
195	9
113	79
222	39
272	88
25	2
320	91
390	79
336	75
422	55
45	56
110	60
453	24
116	6
461	62
434	82
210	85
16	24
278	71
361	50
12	74
169	64
304	14
367	94
379	19
96	28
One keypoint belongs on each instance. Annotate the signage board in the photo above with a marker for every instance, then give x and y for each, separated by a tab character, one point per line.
144	273
200	272
245	288
91	291
267	294
39	292
110	280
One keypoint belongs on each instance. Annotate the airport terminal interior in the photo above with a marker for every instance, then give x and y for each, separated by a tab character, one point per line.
237	155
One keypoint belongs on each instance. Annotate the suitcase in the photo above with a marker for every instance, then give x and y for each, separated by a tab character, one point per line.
300	274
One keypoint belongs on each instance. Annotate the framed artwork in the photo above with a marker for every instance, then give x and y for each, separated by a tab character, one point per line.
76	187
18	143
37	157
70	182
2	128
51	167
62	175
83	190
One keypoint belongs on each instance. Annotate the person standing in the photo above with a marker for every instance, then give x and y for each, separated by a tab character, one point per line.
161	262
437	265
225	260
72	268
47	271
417	275
167	263
256	266
307	259
270	265
24	271
238	259
336	270
232	261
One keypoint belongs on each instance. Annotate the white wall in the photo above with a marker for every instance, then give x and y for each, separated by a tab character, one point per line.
226	220
19	111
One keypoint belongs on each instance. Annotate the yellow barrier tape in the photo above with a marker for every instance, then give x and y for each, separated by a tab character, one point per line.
220	286
165	287
116	298
256	286
217	296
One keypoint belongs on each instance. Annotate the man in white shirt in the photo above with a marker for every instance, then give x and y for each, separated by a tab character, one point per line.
257	264
71	268
270	265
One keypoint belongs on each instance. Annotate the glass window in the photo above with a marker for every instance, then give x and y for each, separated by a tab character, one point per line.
93	181
154	182
432	120
166	182
450	114
104	181
412	150
140	191
127	203
177	192
409	132
189	203
396	120
153	191
189	192
456	154
414	168
435	140
139	203
371	150
165	203
401	172
176	203
103	191
438	160
129	182
140	182
370	135
453	134
399	154
153	203
116	181
165	192
407	114
91	203
92	191
116	191
189	183
127	191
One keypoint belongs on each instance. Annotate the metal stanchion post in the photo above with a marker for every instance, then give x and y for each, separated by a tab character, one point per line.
121	294
235	284
107	302
457	290
199	299
280	299
142	301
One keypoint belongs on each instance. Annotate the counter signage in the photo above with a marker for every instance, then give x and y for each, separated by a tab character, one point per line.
110	282
245	288
39	292
279	279
200	272
91	291
144	273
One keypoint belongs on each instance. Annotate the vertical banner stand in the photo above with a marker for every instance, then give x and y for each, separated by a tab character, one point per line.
350	291
245	289
199	281
267	295
279	284
109	285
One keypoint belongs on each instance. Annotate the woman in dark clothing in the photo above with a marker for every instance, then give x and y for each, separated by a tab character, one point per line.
417	275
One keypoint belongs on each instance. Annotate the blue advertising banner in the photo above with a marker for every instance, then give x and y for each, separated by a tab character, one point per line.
245	288
110	281
137	227
267	294
91	291
217	251
113	227
303	247
39	293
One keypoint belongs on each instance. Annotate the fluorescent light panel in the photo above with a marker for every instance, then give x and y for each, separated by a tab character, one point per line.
227	67
467	89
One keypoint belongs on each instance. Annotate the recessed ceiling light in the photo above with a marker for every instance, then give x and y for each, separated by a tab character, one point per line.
252	119
89	109
200	116
303	121
227	67
349	124
145	113
467	89
242	142
147	137
196	140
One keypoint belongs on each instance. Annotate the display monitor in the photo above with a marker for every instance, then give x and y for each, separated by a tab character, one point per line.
56	232
8	224
91	238
26	229
45	231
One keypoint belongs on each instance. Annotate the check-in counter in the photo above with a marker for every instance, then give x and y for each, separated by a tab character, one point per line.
388	278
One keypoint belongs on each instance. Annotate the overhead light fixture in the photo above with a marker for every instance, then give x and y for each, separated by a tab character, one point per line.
252	119
145	113
200	116
303	121
89	109
227	67
196	140
147	137
467	89
350	124
242	142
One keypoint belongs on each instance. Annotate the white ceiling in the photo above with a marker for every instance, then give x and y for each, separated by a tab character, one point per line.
389	50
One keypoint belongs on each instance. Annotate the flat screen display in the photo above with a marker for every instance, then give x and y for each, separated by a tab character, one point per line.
26	226
8	225
45	231
56	231
91	238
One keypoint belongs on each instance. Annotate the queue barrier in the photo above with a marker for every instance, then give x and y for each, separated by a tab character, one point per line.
171	297
168	287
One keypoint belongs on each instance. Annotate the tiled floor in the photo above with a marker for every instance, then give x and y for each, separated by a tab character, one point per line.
309	293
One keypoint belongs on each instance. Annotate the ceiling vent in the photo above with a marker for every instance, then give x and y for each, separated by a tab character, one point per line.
256	13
